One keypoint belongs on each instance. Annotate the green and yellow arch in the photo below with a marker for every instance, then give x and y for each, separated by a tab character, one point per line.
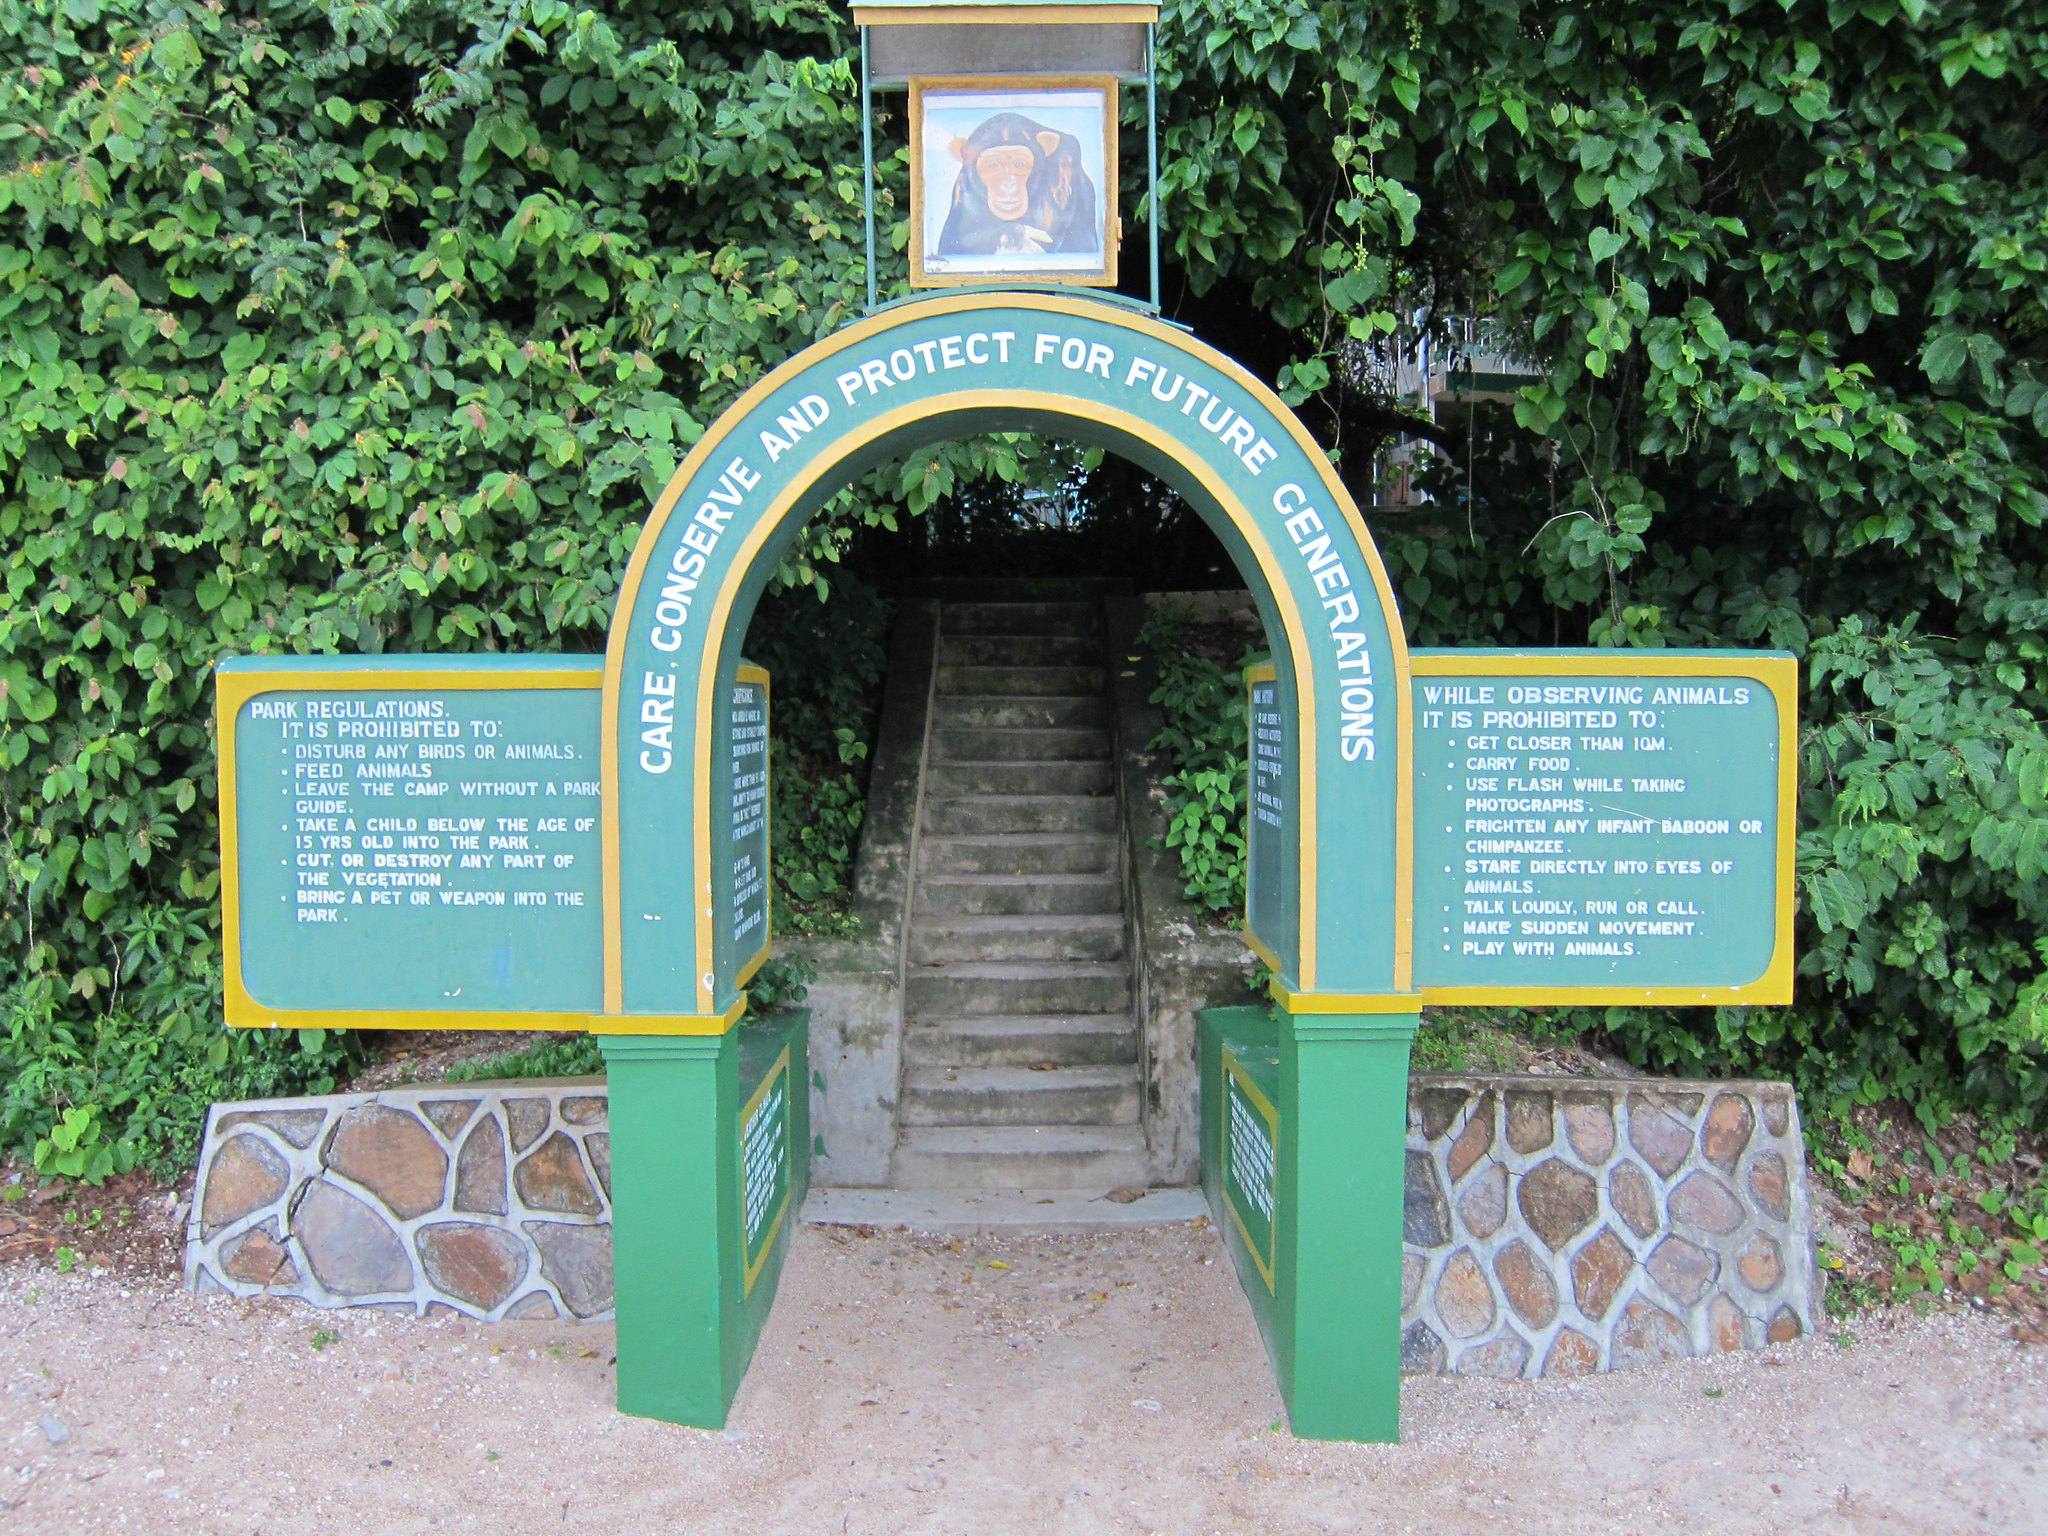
1337	937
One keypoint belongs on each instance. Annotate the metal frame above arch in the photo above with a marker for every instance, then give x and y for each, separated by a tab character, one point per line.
960	365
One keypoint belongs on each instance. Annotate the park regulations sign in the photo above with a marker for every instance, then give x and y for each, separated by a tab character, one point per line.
413	842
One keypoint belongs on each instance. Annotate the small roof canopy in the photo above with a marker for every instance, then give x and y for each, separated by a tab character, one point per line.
969	38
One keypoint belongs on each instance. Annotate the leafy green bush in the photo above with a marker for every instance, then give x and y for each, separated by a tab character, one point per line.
1204	735
826	662
569	1056
366	328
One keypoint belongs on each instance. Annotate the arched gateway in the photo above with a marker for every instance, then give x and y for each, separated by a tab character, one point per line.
1335	717
1335	932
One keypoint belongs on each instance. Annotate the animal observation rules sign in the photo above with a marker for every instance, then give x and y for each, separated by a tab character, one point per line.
1603	826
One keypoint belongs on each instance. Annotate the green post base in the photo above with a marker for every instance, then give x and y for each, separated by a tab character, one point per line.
691	1297
1329	1300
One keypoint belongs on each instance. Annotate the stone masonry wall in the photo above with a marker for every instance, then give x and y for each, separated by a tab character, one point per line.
1554	1225
1558	1226
490	1199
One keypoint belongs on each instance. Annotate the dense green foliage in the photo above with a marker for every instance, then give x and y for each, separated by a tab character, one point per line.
374	327
1787	268
360	328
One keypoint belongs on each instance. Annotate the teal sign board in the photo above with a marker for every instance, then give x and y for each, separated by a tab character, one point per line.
764	1167
743	923
410	841
1250	1152
1603	826
1271	918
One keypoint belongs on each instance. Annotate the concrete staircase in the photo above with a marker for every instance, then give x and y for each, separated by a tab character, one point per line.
1020	1045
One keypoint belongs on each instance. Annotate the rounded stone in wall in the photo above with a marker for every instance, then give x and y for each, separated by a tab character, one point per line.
1703	1201
1598	1273
1728	1324
577	1261
1558	1201
1628	1189
1729	1125
1464	1296
1422	1351
1647	1334
1589	1127
258	1258
1684	1269
245	1176
1571	1354
350	1248
471	1262
1484	1204
1503	1358
1526	1284
1426	1214
551	1178
1474	1141
1769	1186
1762	1264
480	1170
1530	1124
1656	1131
392	1155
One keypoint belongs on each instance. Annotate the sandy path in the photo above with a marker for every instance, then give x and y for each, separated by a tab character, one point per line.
1100	1383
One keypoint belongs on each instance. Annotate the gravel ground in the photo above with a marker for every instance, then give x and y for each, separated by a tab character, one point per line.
986	1385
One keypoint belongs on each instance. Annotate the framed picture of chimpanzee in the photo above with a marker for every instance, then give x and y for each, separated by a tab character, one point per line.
1013	180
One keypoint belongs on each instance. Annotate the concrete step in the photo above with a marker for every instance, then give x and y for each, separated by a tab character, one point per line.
1020	1096
1032	618
1022	1040
951	940
1018	895
1016	986
1018	853
1011	744
1039	650
1001	1210
1020	778
1030	679
1089	710
987	815
1100	1157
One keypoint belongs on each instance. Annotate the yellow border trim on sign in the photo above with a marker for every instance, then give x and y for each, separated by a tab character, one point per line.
752	1272
748	672
1396	687
1112	226
1362	1003
234	689
1233	1070
1779	674
999	15
672	1023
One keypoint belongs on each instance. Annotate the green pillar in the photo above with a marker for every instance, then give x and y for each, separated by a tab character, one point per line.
1344	1093
673	1163
1324	1099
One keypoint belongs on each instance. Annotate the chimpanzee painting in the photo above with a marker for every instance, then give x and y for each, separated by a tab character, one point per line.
1012	183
